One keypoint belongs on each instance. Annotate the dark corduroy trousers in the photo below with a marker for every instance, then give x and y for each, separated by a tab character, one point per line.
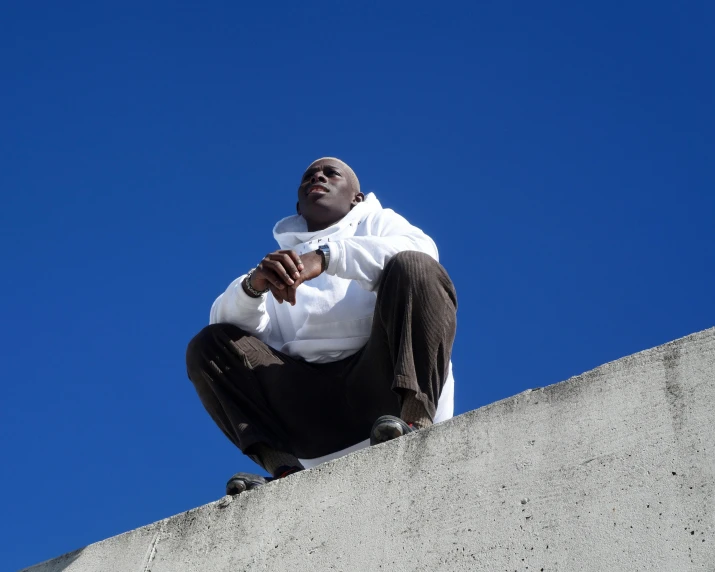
257	394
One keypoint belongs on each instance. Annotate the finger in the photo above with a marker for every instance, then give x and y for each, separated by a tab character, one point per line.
278	269
290	295
276	262
288	263
277	294
294	256
269	275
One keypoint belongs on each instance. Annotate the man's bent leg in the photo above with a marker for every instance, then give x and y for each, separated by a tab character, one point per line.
404	365
229	368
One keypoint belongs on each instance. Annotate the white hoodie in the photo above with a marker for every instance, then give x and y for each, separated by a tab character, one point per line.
332	317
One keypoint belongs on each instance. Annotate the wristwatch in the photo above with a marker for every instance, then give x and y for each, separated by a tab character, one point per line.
324	251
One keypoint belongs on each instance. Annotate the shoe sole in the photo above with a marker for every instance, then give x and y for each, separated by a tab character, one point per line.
387	428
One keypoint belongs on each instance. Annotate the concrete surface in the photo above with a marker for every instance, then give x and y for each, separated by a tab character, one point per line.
611	470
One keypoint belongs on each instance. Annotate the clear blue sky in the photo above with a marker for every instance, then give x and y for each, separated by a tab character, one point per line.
561	157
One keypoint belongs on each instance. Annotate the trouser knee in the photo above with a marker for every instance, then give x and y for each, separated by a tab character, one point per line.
417	271
412	262
206	343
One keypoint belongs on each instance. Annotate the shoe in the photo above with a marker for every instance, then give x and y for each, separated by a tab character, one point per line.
388	427
241	482
285	471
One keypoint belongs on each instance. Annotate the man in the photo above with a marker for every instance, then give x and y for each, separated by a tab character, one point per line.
344	333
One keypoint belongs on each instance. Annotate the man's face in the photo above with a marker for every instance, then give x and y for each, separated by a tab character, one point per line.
326	193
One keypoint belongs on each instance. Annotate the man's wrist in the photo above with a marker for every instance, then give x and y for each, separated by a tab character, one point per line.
248	287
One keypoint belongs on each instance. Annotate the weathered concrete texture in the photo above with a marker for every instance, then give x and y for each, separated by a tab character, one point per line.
611	470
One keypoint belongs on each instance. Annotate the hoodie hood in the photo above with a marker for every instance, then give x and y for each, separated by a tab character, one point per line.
293	230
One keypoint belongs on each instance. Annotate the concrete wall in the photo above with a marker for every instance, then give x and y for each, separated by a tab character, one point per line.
611	470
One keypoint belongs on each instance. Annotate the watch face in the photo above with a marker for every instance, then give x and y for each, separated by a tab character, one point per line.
325	253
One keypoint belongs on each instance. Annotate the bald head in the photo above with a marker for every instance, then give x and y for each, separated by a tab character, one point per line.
328	190
349	173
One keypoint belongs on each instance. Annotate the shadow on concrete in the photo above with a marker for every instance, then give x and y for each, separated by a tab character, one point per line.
56	564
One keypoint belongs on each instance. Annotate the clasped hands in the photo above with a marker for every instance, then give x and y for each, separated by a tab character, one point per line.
283	271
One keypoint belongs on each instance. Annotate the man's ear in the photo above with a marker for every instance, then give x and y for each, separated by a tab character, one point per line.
297	207
358	198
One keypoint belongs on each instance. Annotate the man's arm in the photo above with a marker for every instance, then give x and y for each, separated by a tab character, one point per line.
236	307
243	304
362	258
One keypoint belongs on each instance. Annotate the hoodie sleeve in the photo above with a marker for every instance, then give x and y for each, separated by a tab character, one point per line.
362	258
236	307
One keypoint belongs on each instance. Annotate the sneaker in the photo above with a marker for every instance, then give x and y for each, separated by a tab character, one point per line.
241	482
285	471
387	428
